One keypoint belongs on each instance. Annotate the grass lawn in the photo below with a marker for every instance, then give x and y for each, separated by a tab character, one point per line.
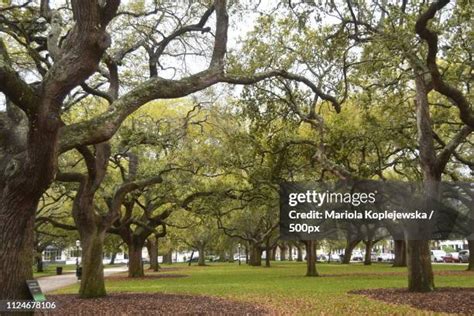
50	269
284	288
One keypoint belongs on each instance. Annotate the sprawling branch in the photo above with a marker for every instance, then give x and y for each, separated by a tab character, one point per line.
81	50
431	38
182	30
12	85
220	43
258	237
70	177
450	148
428	159
326	164
109	11
96	92
127	187
104	126
56	223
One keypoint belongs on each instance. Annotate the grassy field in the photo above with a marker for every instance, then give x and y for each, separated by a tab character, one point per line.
50	269
284	288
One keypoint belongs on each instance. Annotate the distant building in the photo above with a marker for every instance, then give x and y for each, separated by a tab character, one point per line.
54	254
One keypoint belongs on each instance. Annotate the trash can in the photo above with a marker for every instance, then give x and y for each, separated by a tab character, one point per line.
79	273
59	270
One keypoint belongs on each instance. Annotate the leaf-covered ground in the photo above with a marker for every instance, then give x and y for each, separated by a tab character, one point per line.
449	299
283	288
151	304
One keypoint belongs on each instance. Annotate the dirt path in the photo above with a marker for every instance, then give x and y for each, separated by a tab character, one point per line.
55	282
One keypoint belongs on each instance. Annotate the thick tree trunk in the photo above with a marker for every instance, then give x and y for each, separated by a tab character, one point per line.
91	226
222	256
283	250
420	273
168	257
39	262
230	256
28	163
113	257
470	266
92	243
16	247
273	253
368	252
268	250
152	247
255	256
247	254
290	253
92	279
191	258
135	263
350	245
400	259
202	257
299	257
311	270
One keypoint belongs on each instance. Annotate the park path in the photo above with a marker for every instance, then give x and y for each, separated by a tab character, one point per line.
55	282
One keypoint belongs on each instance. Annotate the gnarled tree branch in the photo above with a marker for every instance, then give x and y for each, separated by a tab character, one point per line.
453	94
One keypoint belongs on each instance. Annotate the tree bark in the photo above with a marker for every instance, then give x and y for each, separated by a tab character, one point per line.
112	258
230	256
283	250
39	263
152	247
311	270
273	253
299	257
30	170
268	250
350	245
255	256
400	253
368	252
28	162
16	247
222	256
420	273
202	257
191	258
470	266
92	227
168	257
92	279
246	254
135	262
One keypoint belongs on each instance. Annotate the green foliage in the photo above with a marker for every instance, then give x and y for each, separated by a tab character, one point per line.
236	151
